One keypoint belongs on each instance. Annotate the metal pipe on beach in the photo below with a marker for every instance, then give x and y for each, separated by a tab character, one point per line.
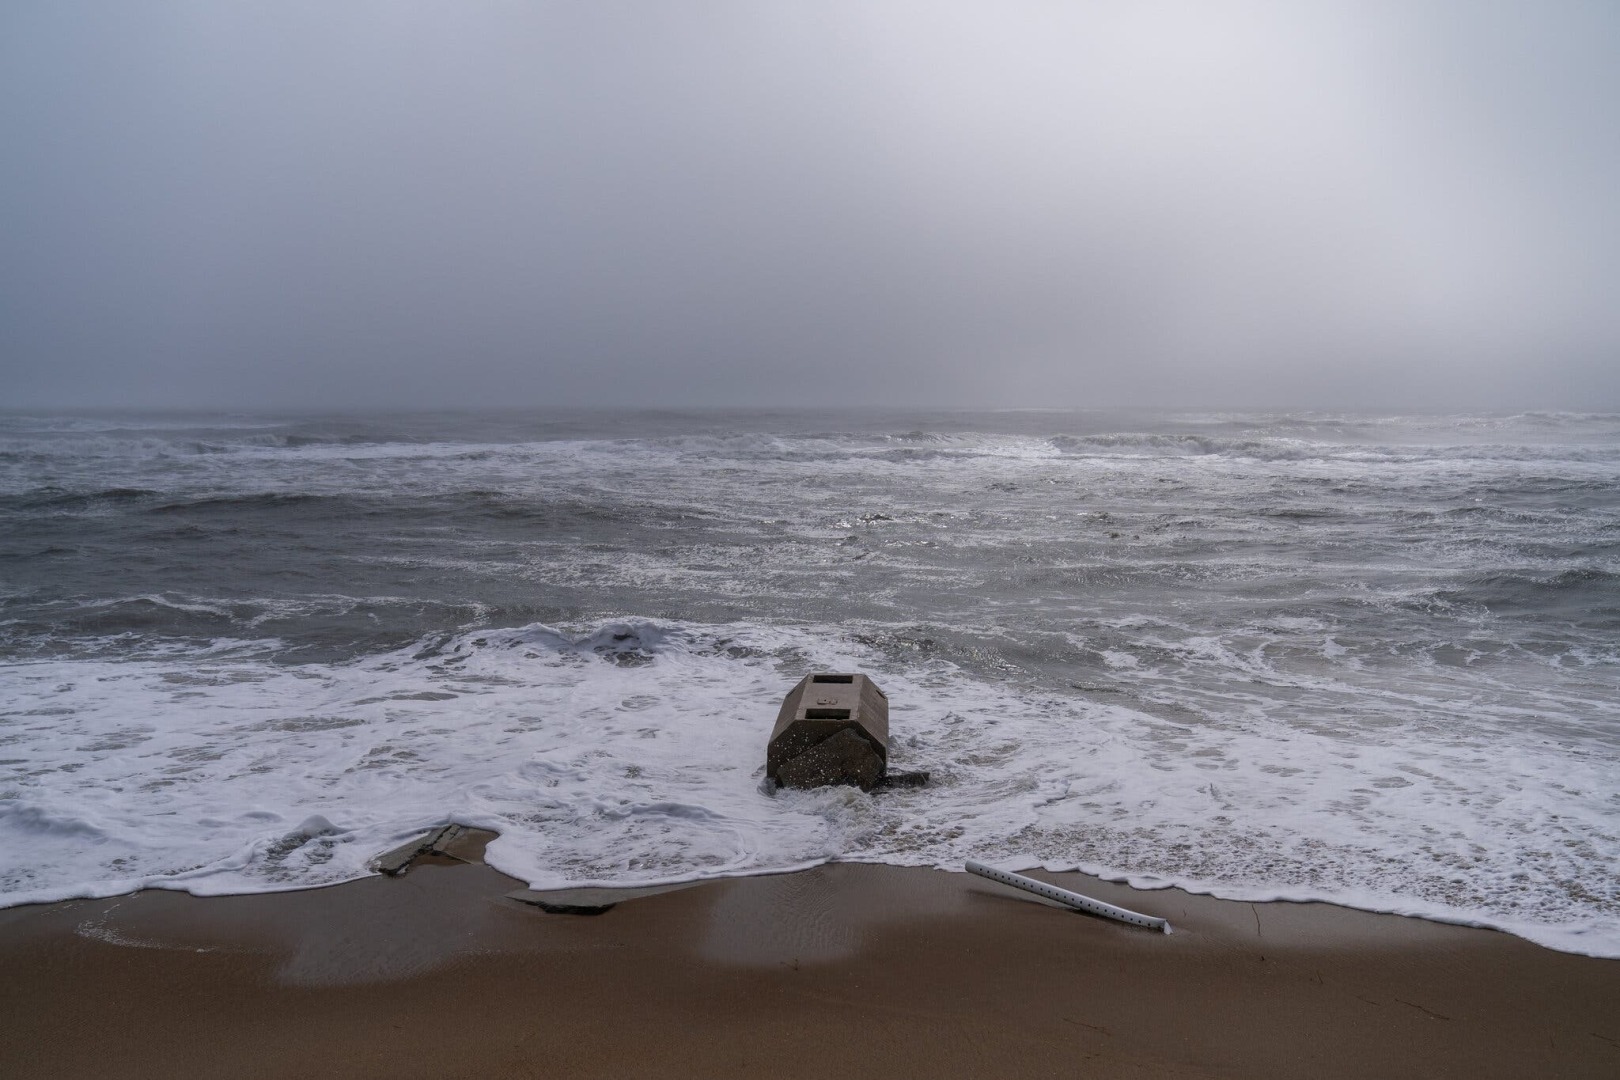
1064	896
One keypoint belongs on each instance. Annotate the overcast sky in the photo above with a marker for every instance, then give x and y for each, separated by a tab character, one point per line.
415	204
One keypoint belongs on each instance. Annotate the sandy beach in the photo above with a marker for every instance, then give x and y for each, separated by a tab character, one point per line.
845	970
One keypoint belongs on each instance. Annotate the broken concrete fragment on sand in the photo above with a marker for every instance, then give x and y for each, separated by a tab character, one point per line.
590	901
448	841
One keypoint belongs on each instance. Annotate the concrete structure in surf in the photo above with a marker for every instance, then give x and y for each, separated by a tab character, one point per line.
833	728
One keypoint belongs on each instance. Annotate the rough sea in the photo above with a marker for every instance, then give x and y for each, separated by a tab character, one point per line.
1372	659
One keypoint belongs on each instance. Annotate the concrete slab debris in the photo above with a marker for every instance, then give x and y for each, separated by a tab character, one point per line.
590	901
451	841
467	845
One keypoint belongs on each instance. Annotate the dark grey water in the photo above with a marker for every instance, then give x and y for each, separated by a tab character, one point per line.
1353	617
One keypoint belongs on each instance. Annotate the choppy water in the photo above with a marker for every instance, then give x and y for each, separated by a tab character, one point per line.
1372	659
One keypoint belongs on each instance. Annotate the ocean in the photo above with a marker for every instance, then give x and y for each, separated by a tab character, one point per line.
1370	659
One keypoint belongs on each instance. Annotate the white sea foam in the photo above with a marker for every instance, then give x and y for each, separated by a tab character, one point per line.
633	751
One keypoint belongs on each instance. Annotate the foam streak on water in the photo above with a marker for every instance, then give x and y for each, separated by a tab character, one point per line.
1364	659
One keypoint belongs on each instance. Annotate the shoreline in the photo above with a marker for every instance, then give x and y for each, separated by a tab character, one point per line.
1122	891
846	969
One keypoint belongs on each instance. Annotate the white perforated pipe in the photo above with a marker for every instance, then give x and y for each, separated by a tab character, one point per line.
1064	896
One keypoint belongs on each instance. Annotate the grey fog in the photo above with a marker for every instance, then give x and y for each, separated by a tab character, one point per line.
419	205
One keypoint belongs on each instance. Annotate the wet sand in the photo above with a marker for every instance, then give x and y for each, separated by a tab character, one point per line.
848	971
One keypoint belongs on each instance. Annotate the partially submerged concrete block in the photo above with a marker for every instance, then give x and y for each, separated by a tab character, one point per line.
833	729
844	758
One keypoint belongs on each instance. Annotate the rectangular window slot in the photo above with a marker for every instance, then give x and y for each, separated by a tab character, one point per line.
832	678
826	714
